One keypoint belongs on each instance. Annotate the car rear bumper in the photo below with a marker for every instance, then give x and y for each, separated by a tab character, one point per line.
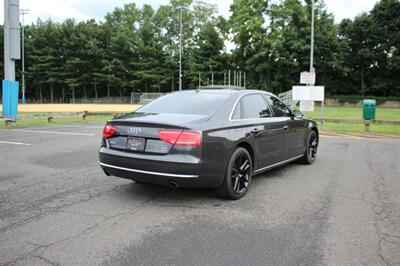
185	171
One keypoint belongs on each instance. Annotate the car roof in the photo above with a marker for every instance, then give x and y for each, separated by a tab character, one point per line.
226	91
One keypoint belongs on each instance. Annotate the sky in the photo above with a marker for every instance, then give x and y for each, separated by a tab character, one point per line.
59	10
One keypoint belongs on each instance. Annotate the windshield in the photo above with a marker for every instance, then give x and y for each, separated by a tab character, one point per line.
201	103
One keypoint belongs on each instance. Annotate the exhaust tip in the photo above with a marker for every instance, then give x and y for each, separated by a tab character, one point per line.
173	184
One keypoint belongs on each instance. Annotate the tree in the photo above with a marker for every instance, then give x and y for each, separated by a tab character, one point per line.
206	56
151	59
247	25
137	49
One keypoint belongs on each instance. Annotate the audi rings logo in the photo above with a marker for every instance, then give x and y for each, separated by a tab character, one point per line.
134	131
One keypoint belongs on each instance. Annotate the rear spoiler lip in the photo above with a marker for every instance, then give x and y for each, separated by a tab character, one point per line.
142	123
138	122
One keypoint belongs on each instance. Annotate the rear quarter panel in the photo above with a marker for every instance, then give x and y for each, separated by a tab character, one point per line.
218	146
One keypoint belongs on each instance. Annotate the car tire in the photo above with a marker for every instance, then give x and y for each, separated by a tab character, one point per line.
310	154
238	175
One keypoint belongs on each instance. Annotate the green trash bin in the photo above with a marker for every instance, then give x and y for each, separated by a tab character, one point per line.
369	109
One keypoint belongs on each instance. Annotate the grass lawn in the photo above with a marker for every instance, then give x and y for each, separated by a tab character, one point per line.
359	128
57	121
354	113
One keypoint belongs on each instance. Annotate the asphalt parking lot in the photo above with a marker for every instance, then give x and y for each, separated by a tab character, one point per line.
58	208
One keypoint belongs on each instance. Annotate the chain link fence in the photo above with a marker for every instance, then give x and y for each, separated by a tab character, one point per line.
135	98
143	98
112	100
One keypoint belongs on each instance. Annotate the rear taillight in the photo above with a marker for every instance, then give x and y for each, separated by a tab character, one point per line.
180	137
109	131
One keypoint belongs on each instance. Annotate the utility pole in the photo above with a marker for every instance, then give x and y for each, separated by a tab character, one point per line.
11	36
12	52
244	79
229	78
180	49
23	12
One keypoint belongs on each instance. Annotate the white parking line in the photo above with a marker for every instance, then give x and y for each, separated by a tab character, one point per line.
14	143
51	132
75	126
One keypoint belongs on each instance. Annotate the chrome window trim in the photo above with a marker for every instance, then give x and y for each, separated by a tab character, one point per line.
147	172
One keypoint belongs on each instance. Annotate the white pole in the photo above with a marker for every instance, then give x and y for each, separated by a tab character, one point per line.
229	78
312	54
23	13
224	78
244	79
312	38
199	80
180	50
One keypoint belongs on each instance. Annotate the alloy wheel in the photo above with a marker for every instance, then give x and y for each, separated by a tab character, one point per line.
313	147
240	174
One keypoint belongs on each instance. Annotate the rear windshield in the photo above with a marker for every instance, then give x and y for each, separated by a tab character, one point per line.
201	103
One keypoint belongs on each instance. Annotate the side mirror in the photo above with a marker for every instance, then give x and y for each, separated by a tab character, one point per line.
297	113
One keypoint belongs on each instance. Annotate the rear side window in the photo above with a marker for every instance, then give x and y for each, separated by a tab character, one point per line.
190	102
279	108
254	106
237	113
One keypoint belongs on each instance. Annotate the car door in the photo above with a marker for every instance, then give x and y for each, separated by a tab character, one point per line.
266	131
295	128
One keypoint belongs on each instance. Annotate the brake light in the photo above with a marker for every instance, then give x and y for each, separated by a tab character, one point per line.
109	131
180	137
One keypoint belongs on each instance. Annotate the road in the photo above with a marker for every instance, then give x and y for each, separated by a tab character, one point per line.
58	208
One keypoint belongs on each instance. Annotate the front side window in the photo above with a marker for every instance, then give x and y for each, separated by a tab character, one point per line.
278	107
254	106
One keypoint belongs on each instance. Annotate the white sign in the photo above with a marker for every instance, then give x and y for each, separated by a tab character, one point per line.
306	106
307	78
308	93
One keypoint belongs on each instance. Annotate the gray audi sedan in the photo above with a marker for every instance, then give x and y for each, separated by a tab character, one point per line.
216	138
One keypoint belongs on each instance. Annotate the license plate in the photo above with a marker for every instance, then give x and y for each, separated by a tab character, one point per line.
118	143
135	144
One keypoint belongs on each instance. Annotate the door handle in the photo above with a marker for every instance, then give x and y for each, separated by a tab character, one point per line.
286	128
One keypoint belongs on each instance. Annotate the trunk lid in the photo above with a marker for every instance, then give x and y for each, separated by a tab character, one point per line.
138	132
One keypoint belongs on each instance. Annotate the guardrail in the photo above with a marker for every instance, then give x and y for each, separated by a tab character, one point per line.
8	120
349	121
51	116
